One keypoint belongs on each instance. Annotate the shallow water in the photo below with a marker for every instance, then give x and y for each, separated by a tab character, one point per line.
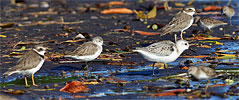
135	77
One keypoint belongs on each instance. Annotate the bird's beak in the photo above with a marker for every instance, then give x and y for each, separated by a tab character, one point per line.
191	50
197	12
105	44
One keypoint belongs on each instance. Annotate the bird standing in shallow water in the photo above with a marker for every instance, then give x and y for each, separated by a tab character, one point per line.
182	21
29	63
208	23
228	11
88	51
163	51
203	73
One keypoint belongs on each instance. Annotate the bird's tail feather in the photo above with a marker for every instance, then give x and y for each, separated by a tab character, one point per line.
6	74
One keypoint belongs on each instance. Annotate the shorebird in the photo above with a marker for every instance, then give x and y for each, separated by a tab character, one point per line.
203	73
163	51
228	11
29	63
88	51
208	23
182	21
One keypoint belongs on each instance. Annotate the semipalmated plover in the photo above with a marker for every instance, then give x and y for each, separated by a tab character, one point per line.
182	21
29	63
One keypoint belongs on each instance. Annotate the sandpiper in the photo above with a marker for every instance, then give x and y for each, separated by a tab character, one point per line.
203	73
163	51
88	51
208	23
29	63
182	21
228	11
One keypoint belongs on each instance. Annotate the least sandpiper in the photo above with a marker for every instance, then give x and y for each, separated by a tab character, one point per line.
88	51
228	11
182	21
208	23
203	73
29	63
163	51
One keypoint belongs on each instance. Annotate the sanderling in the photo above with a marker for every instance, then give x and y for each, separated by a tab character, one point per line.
163	51
88	51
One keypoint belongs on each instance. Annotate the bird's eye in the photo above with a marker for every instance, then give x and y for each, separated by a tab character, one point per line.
186	44
40	49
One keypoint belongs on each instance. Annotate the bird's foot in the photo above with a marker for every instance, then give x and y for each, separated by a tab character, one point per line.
210	31
27	86
85	67
34	85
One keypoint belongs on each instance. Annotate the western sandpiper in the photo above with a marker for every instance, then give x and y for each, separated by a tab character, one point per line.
228	11
203	73
208	23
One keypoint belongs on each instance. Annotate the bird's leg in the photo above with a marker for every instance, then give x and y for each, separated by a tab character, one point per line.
181	35
210	31
85	67
207	86
223	30
230	21
164	65
175	37
27	86
153	68
86	64
89	68
33	82
198	85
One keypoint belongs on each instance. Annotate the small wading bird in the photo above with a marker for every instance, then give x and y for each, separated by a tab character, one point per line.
163	51
88	51
228	11
203	73
182	21
29	63
208	23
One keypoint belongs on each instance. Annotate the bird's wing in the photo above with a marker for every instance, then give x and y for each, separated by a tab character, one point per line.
29	60
177	23
88	48
209	71
208	21
162	48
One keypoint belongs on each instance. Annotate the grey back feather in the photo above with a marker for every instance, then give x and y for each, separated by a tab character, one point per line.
209	71
177	23
29	60
87	48
162	48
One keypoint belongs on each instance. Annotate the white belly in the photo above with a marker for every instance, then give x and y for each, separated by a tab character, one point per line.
154	58
89	57
189	25
202	76
33	70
